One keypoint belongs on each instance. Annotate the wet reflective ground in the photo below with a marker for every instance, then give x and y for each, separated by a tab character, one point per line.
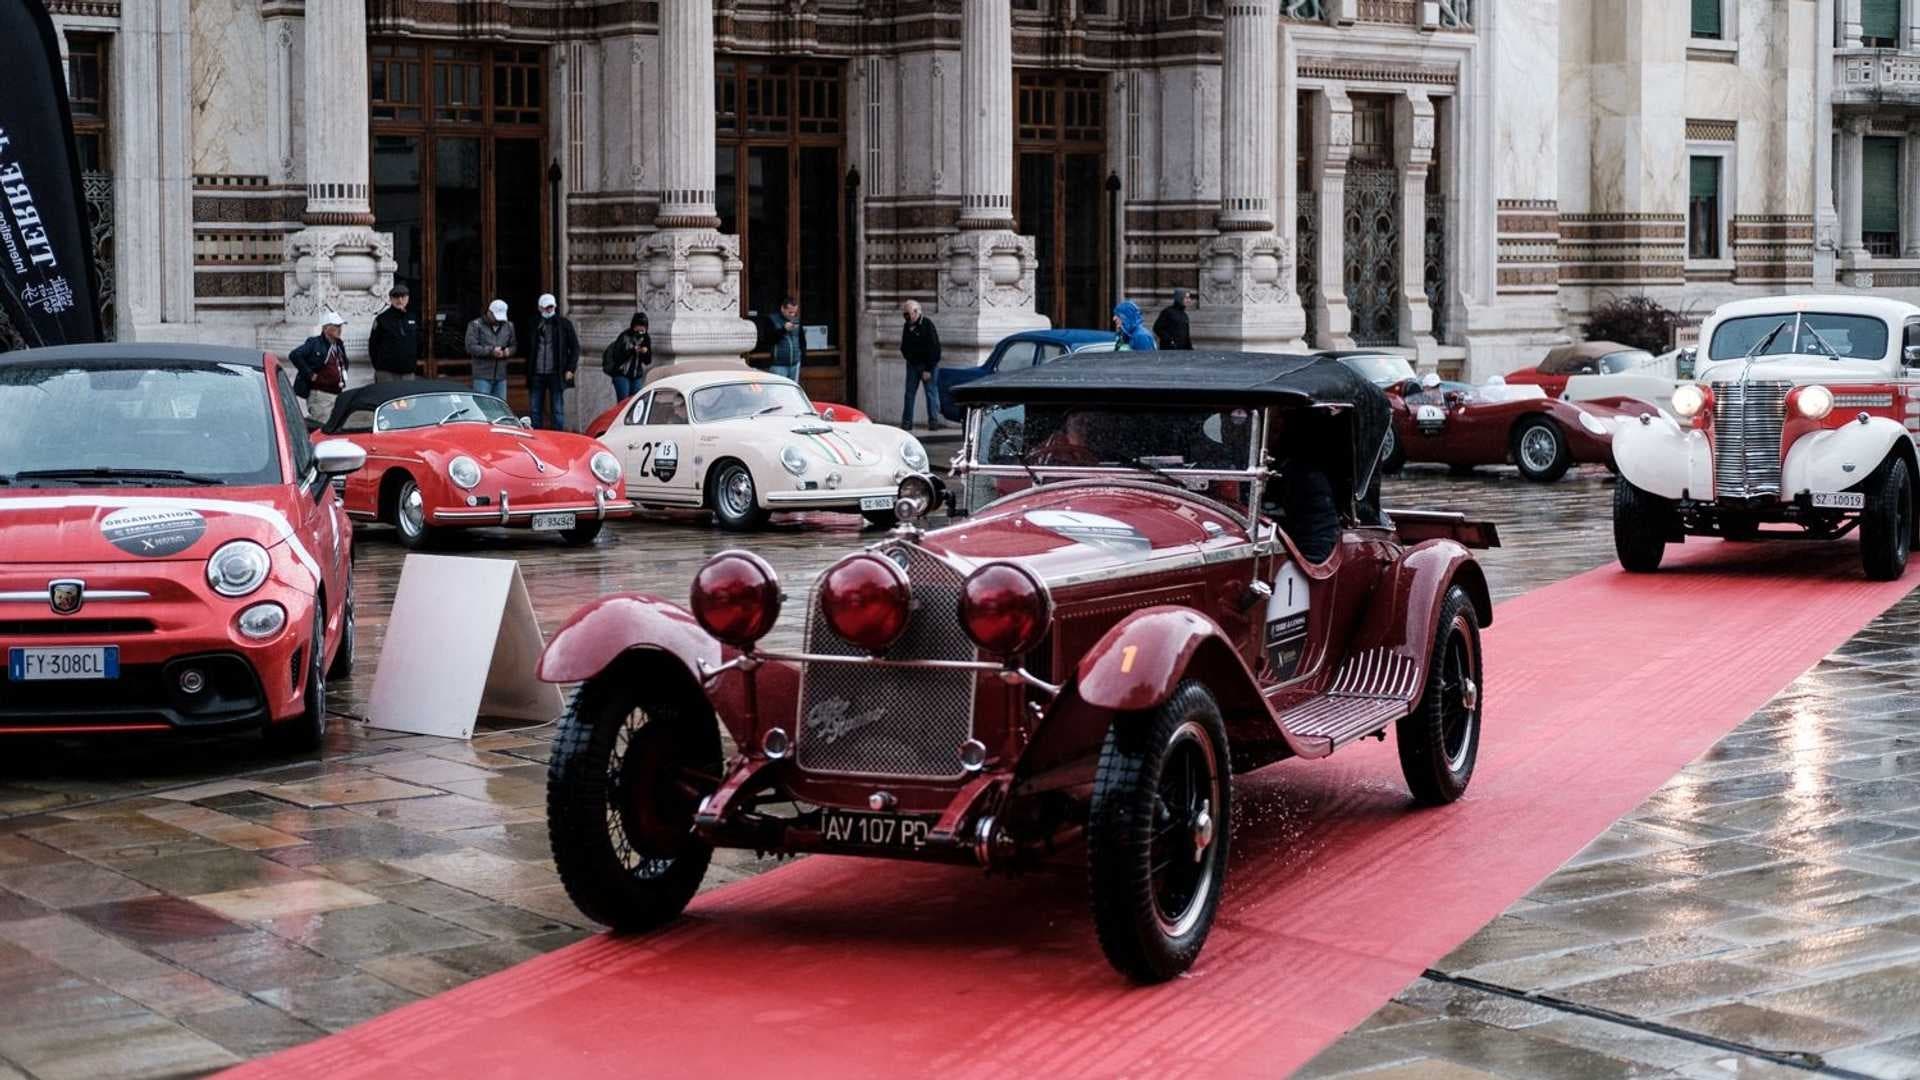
168	905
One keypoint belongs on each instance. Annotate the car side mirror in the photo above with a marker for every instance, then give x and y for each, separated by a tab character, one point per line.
338	457
1911	354
527	422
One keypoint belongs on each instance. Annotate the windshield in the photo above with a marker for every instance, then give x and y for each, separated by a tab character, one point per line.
1627	360
1152	441
202	422
731	401
1840	337
1380	370
428	410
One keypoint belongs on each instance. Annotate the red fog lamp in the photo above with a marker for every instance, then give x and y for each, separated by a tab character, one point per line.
866	600
736	597
1004	609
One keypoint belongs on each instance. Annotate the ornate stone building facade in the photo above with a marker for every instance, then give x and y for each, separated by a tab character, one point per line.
1458	179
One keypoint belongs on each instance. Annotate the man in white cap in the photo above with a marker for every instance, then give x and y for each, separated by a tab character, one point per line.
550	365
489	343
321	362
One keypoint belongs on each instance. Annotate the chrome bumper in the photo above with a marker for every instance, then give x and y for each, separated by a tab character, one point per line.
831	499
508	514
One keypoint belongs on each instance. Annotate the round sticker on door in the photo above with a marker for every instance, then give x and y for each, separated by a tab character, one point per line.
152	534
666	460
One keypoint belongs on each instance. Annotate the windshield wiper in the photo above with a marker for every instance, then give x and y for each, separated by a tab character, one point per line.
451	415
113	474
775	407
1821	338
1136	463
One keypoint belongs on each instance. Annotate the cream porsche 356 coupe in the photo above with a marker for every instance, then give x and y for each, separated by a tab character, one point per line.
723	436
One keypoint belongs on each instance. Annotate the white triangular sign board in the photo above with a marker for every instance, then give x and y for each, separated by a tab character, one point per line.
462	641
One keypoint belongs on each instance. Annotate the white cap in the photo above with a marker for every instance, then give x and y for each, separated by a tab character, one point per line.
333	318
498	309
547	301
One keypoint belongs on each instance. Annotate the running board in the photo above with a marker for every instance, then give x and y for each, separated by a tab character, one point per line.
1372	689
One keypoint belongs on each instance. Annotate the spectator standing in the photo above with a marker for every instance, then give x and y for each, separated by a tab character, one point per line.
394	343
920	348
789	343
321	364
1129	325
626	360
554	357
490	342
1172	328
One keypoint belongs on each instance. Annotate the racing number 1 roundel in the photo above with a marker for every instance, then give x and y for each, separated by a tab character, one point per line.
1286	622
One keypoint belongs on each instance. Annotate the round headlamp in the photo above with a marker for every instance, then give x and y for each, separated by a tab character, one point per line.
912	453
792	460
913	499
464	471
262	620
736	598
238	568
1813	402
605	466
1689	399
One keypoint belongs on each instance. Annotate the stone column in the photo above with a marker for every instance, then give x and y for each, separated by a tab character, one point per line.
1332	149
689	276
1910	192
1244	299
1853	248
987	286
1850	28
1413	126
338	262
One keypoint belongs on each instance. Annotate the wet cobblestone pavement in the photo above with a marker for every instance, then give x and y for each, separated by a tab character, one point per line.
169	906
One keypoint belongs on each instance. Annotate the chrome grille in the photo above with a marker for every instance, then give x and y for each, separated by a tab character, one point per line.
898	722
1746	437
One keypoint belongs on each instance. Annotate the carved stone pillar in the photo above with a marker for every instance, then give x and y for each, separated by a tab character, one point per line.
1245	301
689	277
1332	149
1853	246
1910	192
338	262
1413	126
987	286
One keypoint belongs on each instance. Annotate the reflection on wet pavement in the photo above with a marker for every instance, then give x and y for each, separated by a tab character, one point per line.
172	905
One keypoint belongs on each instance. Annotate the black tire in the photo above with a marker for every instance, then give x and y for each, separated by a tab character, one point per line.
1539	448
1439	740
1393	456
1152	926
583	533
1887	524
1641	525
733	498
409	518
880	519
304	733
342	665
635	867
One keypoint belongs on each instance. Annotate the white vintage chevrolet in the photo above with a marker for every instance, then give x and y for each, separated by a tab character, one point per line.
1805	412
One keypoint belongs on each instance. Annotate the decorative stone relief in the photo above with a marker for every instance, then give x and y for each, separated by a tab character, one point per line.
988	269
1243	269
691	271
347	270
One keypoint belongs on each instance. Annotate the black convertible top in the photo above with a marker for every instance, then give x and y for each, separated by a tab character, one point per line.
1333	392
373	395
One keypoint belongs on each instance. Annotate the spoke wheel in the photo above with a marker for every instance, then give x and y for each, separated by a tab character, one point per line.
1439	741
1540	450
1157	834
626	778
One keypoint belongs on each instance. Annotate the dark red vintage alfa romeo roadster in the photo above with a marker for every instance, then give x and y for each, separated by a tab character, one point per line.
1179	571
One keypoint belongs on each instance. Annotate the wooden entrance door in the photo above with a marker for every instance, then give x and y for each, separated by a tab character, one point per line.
1060	194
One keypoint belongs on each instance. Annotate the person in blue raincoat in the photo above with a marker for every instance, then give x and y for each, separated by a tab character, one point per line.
1130	325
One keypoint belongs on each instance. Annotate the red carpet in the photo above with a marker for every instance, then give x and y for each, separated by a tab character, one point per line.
1599	688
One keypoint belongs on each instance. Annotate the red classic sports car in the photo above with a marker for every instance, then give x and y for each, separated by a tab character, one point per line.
1563	362
825	410
1498	423
175	556
1092	657
440	456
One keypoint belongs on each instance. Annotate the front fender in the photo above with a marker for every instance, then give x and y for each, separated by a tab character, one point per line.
1836	459
604	630
1405	614
1662	458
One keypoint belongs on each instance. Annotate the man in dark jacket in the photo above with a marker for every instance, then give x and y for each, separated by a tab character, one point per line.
1171	327
550	365
490	342
321	359
626	360
920	348
394	342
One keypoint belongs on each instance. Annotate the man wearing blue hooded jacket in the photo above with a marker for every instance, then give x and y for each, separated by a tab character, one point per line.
1129	323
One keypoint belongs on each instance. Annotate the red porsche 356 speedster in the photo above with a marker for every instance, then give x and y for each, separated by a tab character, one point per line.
1196	580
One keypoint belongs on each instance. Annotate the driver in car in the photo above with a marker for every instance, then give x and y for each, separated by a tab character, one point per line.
1302	493
1070	444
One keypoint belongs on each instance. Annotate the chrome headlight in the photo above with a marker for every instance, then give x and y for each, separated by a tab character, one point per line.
238	568
262	620
1814	402
793	460
1689	399
606	467
464	471
913	454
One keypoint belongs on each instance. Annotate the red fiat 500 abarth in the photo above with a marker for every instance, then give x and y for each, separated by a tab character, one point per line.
172	554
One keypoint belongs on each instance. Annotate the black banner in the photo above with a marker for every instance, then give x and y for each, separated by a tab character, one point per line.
46	272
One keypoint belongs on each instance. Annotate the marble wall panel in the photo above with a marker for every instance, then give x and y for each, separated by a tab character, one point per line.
229	52
1524	52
